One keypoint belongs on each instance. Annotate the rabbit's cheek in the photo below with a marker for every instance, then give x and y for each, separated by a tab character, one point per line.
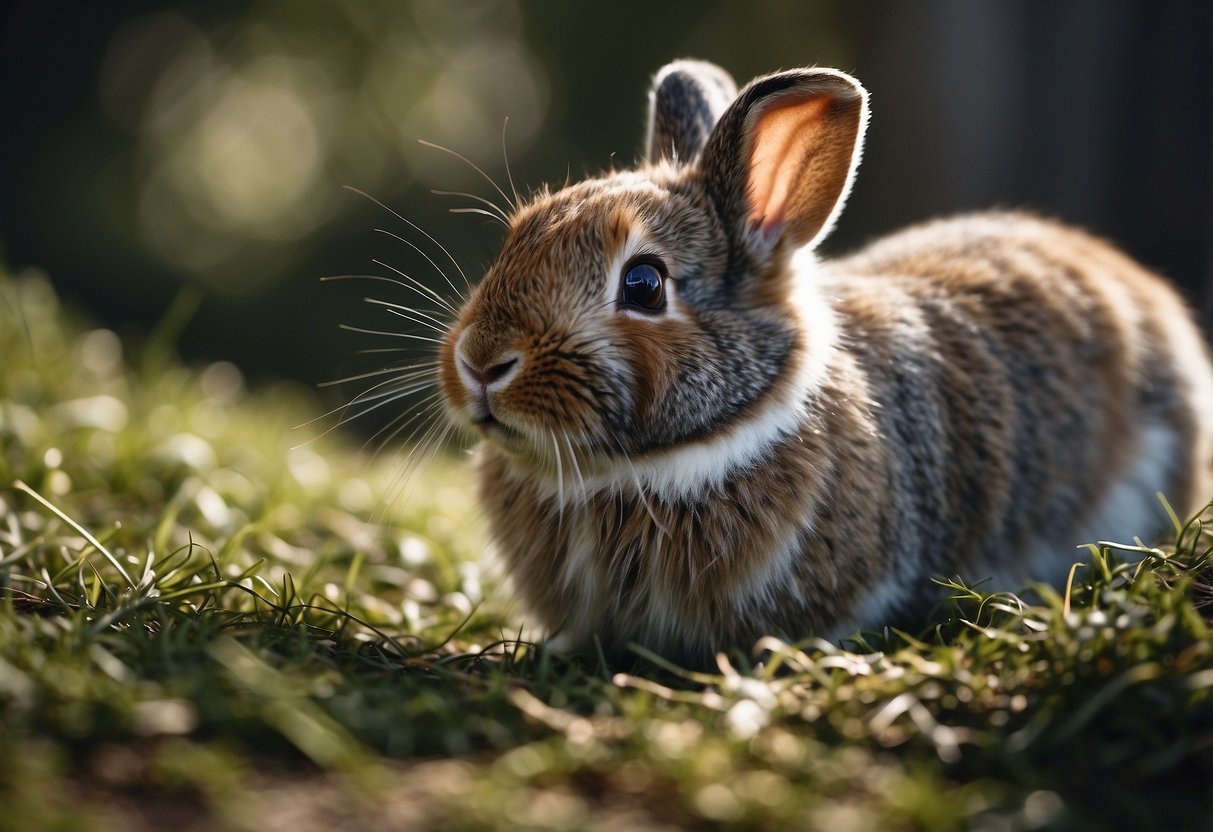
550	397
650	347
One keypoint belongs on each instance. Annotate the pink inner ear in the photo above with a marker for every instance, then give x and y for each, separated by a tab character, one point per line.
783	137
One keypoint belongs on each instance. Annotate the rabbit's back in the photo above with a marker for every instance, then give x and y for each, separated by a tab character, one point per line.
1033	386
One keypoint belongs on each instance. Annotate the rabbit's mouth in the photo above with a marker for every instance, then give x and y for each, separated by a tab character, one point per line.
496	431
489	422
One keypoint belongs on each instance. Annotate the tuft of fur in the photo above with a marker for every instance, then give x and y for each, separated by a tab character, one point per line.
791	446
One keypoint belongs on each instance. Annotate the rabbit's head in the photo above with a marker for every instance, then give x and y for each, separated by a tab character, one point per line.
652	308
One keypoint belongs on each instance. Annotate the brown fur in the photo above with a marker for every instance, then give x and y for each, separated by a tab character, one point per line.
796	448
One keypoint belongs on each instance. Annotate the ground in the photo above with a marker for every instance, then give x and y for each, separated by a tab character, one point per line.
211	620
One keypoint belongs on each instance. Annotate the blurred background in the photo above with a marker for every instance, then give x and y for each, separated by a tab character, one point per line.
151	148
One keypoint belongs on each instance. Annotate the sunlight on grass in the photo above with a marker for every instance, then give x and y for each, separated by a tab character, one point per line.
202	617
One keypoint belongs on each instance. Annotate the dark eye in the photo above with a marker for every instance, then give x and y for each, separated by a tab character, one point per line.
644	286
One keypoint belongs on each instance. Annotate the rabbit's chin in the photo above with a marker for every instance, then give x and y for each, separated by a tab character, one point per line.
512	441
535	451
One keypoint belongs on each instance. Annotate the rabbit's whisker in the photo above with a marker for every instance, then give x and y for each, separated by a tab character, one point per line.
427	258
497	212
568	444
480	211
505	156
361	398
644	500
559	480
400	423
375	350
416	460
400	389
409	335
470	163
415	286
423	233
441	330
418	370
381	399
430	320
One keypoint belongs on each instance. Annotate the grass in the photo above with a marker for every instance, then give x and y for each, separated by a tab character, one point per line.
203	628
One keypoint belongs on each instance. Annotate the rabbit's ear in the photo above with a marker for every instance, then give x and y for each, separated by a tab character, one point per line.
780	162
686	100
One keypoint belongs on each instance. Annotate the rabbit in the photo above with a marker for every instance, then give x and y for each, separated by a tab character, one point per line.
696	433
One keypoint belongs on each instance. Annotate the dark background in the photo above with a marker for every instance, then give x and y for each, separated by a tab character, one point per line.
149	147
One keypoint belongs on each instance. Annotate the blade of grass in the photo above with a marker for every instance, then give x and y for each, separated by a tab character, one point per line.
21	486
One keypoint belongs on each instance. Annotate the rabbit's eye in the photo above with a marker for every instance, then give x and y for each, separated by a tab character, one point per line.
644	286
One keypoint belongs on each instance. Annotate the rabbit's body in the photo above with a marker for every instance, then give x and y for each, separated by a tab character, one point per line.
781	446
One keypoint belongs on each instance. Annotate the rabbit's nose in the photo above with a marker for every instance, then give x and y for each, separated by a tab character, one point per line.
484	362
493	374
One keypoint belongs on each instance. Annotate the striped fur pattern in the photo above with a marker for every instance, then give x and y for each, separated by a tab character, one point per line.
795	447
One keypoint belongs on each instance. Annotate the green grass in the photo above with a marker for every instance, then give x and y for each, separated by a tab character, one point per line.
203	628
